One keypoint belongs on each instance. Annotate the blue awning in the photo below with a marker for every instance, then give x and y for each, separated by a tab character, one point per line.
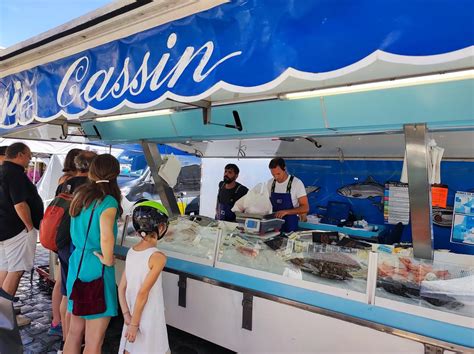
245	46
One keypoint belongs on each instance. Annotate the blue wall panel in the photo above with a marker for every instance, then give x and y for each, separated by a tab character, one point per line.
332	174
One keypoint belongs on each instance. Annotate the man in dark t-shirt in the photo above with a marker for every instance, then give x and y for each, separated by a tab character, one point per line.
229	192
21	210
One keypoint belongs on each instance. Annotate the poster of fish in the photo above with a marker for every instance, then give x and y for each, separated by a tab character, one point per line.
463	224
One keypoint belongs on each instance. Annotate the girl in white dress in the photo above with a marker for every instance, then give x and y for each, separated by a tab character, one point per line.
140	289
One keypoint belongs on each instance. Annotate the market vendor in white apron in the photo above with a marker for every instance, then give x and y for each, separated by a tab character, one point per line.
287	194
229	192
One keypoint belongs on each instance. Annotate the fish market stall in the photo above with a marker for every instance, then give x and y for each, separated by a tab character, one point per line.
286	276
352	105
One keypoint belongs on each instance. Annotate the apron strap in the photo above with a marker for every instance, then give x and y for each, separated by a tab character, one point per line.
222	187
288	186
219	191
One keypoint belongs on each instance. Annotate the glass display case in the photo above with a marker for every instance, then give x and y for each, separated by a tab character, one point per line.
191	238
437	285
328	263
298	260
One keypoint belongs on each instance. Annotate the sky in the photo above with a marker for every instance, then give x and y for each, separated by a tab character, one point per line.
23	19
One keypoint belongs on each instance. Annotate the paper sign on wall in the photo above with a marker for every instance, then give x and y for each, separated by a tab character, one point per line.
396	203
439	196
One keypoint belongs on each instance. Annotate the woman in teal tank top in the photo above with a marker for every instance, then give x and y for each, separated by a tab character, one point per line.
97	202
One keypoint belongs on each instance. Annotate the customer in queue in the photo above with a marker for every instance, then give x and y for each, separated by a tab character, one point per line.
21	210
140	289
82	162
56	327
3	150
97	203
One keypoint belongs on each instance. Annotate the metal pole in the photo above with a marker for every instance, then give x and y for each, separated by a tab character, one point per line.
154	160
34	170
419	189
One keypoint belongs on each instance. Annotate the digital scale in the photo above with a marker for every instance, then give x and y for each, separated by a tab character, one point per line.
260	225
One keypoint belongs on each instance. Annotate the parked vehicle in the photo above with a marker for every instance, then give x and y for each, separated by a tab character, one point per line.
136	181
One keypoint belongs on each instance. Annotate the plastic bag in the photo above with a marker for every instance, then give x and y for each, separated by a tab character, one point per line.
170	170
239	205
256	201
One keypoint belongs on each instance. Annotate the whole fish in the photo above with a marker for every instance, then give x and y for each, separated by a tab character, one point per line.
443	217
363	190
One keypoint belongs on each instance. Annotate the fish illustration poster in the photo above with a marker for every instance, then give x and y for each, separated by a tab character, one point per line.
463	225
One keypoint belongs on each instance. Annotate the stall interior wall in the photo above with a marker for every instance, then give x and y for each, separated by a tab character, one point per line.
330	175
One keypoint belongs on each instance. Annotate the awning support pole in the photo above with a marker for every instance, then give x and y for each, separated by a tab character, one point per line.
154	161
419	189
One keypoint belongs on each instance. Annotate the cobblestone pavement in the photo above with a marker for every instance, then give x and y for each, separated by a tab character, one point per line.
35	303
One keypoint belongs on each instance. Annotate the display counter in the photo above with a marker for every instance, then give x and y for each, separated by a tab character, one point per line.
314	284
296	261
436	285
189	238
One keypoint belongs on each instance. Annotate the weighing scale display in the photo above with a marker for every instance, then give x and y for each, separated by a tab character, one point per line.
251	224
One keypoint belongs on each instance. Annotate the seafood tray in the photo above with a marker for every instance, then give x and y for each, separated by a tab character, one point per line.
336	266
276	242
408	270
412	290
439	285
351	243
327	237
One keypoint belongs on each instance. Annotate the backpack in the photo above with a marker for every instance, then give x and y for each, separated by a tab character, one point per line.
54	228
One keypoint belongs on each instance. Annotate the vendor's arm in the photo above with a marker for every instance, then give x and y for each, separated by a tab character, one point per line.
302	209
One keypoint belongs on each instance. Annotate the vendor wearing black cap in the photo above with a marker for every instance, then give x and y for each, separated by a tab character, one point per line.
229	192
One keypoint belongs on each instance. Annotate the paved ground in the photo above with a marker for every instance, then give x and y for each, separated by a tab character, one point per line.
35	303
